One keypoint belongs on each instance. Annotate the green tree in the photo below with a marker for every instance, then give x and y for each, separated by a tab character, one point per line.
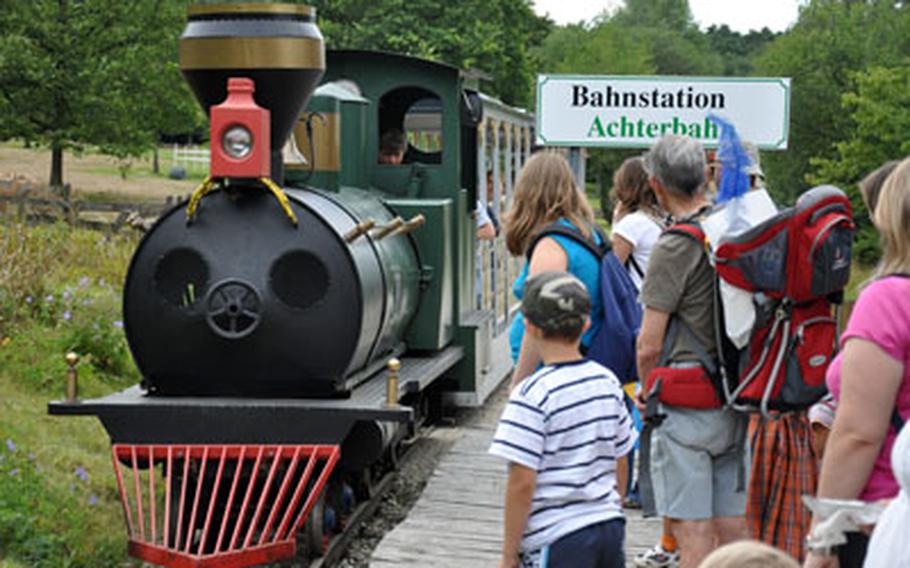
737	50
92	72
657	14
605	49
494	36
676	45
879	115
831	41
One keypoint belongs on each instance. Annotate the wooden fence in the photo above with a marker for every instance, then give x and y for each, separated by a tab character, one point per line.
34	207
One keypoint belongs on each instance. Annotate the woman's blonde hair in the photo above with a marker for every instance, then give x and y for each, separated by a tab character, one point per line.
544	193
892	219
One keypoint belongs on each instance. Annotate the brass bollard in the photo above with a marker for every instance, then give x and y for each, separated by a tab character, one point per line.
72	378
391	387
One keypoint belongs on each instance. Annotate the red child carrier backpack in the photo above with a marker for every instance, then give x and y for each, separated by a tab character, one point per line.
797	263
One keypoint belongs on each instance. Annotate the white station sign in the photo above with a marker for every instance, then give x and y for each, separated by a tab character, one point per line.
634	112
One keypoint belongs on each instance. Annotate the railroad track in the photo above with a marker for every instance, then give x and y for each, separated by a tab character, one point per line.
340	544
419	447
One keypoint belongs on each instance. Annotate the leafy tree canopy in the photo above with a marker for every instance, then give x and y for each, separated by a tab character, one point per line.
93	72
493	36
879	110
831	41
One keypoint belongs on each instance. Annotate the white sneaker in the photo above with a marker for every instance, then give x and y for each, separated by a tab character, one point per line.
657	557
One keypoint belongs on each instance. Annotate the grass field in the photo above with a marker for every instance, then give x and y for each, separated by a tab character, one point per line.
59	291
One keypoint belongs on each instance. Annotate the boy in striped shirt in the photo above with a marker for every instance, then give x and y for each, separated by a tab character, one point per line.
562	432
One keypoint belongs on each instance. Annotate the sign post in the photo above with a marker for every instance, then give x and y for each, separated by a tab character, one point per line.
634	112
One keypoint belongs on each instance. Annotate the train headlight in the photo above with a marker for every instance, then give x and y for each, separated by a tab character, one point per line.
237	142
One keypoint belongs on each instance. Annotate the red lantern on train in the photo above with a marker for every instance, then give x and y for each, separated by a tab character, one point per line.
240	131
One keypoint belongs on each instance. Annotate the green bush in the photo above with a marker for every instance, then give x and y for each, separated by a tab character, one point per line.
68	282
866	248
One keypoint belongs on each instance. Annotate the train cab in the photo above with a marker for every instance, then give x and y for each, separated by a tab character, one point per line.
457	139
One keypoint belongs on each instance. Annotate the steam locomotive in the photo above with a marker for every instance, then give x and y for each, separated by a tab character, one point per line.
296	317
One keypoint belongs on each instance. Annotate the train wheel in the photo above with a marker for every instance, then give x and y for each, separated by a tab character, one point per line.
311	540
363	485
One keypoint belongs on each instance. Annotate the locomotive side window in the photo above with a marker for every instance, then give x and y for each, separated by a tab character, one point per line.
410	127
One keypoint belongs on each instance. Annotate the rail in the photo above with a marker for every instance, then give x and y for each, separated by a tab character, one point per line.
191	158
504	144
26	207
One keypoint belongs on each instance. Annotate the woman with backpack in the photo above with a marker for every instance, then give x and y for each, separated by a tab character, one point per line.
637	223
870	378
637	219
546	193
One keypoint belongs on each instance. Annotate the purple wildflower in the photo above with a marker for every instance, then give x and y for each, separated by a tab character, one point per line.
84	281
67	315
93	500
14	472
49	298
66	294
81	473
118	324
28	299
10	445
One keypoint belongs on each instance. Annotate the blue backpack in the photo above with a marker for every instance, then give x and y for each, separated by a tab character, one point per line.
614	344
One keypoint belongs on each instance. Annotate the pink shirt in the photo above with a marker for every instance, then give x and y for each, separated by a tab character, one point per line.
882	316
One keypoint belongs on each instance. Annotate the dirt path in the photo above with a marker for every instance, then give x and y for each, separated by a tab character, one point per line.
94	174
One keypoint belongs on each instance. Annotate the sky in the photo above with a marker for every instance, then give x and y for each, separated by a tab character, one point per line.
739	15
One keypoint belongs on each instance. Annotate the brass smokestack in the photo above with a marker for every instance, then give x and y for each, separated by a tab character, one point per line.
279	46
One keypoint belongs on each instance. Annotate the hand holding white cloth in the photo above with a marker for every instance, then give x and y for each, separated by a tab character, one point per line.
836	517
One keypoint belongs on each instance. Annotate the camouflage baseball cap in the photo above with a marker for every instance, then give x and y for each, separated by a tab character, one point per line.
556	302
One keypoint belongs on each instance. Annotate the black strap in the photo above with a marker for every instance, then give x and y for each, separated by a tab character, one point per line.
574	234
633	264
676	324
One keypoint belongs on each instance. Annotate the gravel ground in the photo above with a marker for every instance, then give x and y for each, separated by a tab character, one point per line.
418	467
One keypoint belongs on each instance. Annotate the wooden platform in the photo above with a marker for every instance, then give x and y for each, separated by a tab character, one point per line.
457	523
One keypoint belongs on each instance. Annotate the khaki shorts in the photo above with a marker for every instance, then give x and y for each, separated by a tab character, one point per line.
700	464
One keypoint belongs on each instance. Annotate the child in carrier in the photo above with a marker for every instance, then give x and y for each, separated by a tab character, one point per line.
562	432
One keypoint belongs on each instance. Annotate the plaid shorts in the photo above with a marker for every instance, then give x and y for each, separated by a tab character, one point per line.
784	469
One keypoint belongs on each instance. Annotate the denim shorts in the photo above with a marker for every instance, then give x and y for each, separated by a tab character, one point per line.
700	464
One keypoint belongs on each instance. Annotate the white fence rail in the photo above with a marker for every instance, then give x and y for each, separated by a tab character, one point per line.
190	158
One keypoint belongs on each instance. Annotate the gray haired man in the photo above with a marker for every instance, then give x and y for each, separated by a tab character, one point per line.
697	457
